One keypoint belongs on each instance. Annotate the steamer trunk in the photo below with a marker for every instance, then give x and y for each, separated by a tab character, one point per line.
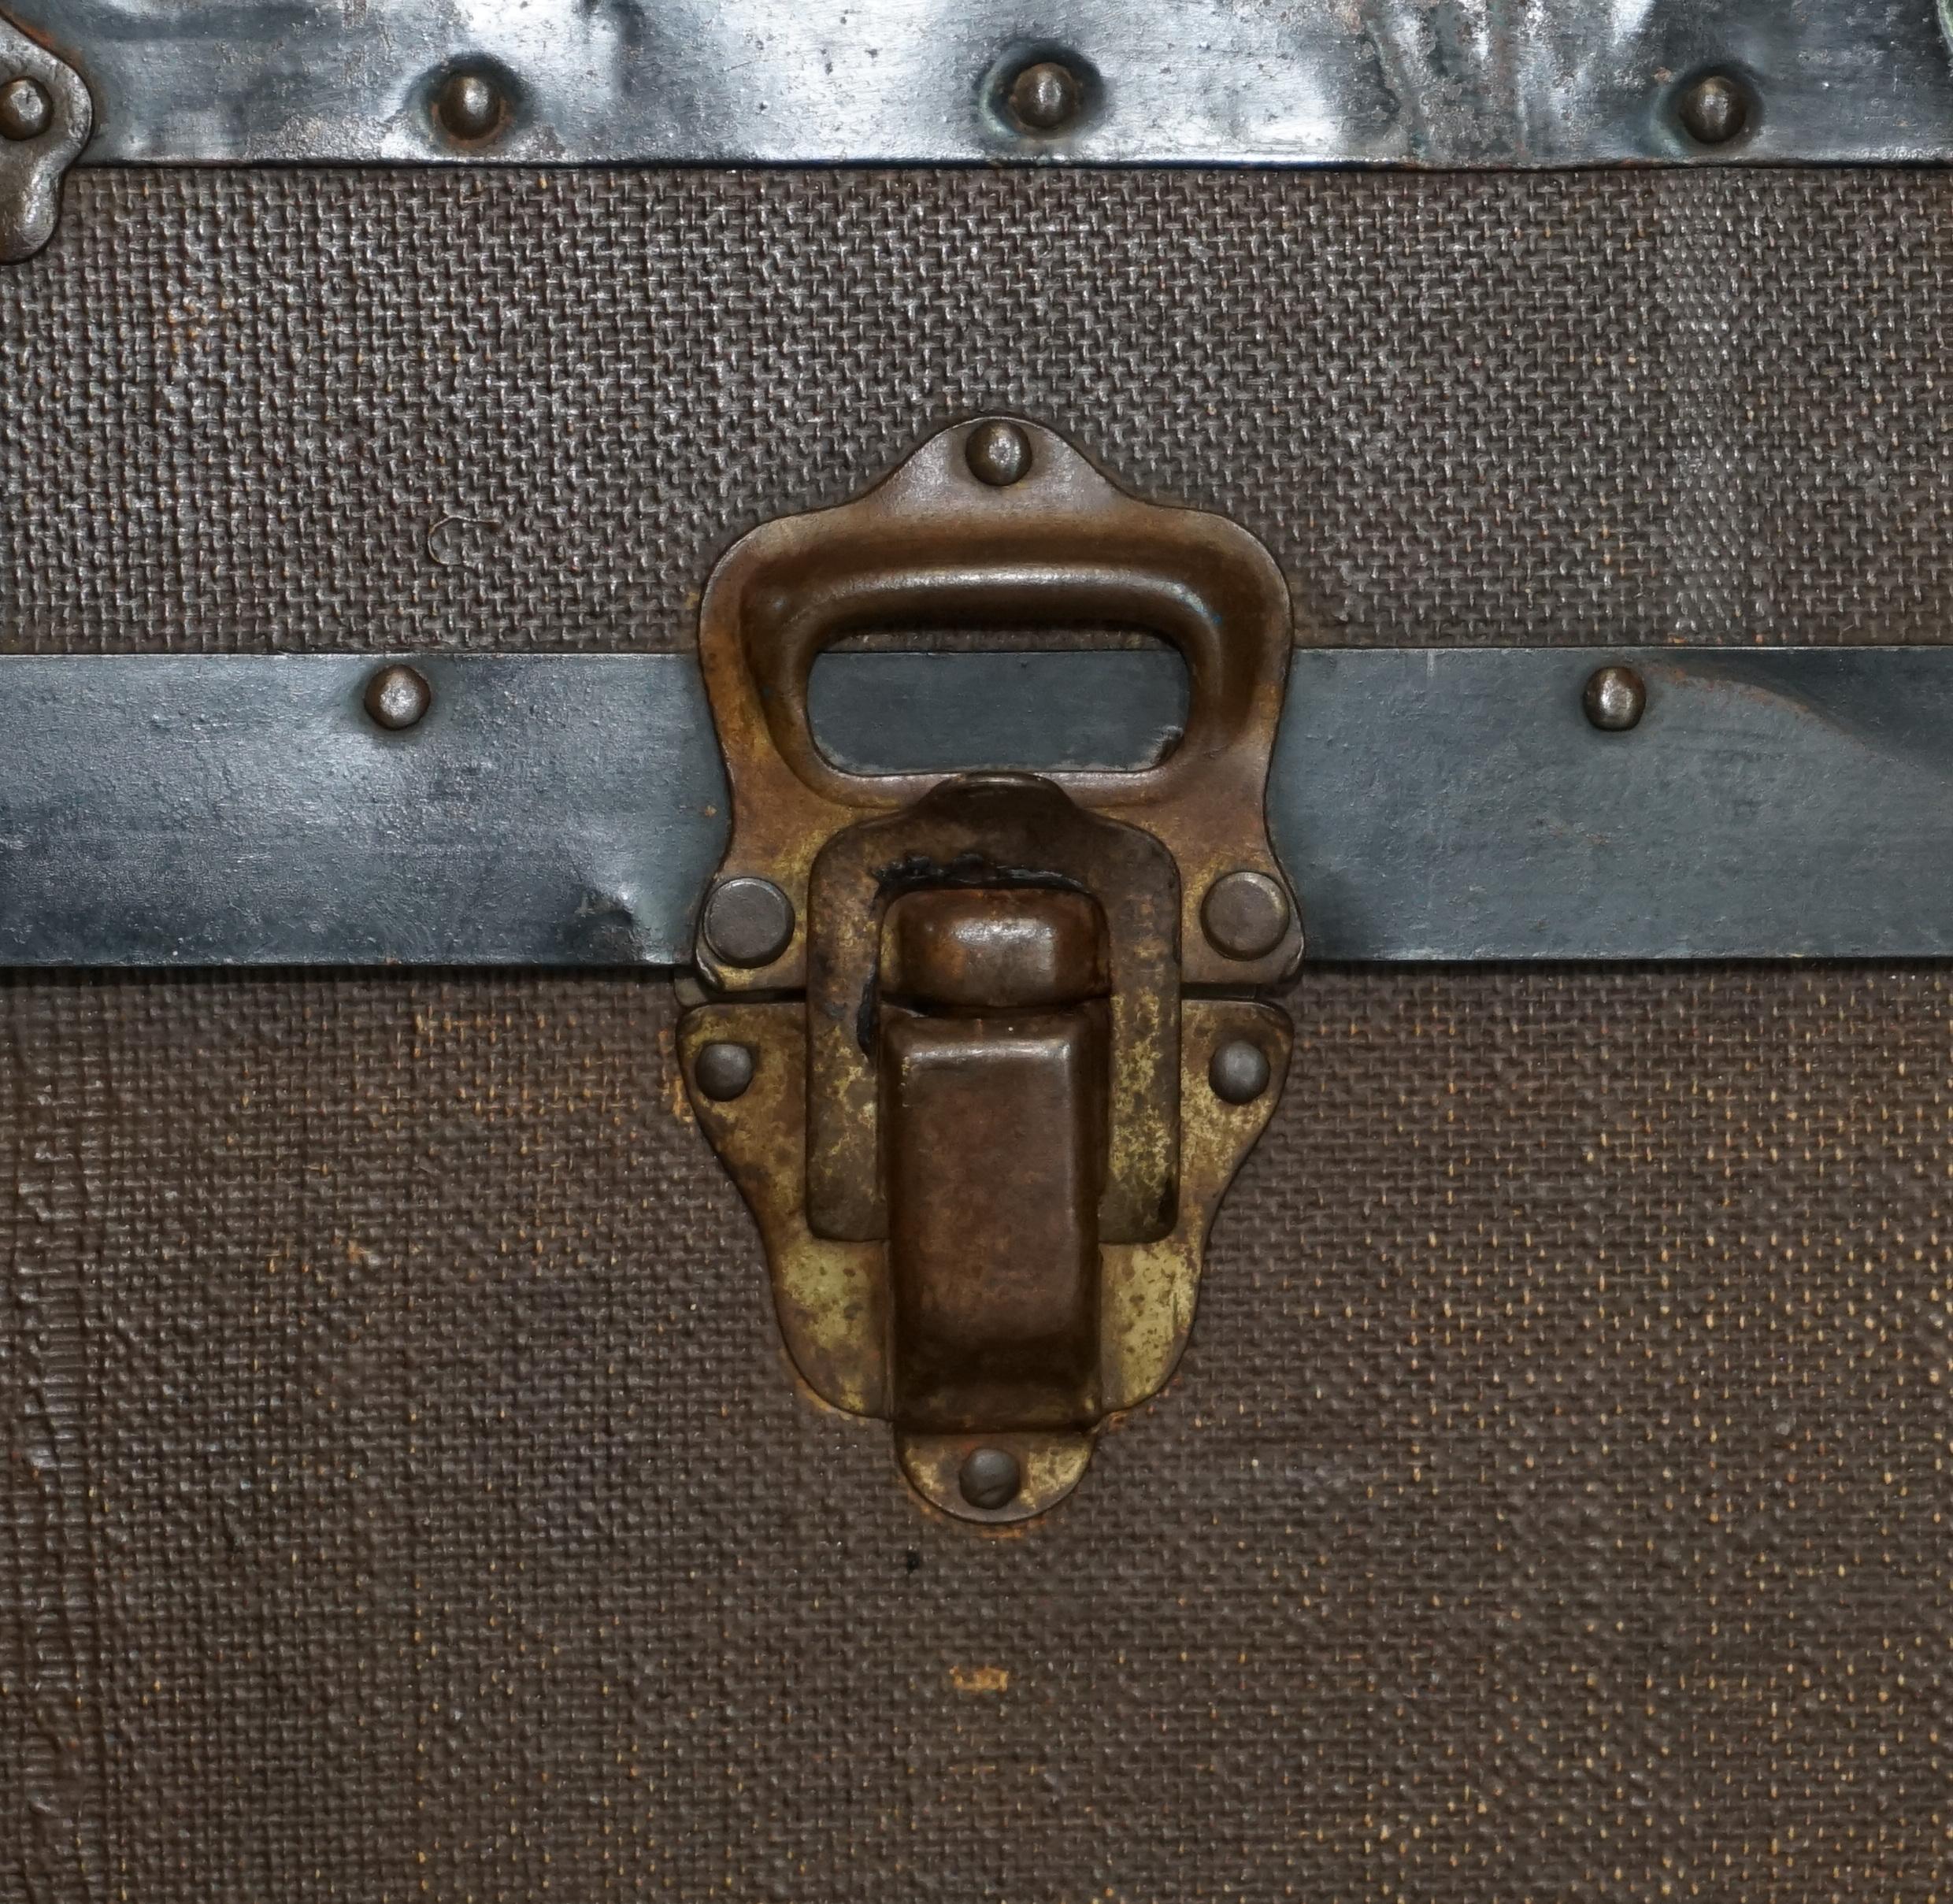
407	1494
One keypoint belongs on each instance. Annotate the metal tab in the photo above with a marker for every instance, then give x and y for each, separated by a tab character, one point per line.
45	117
995	1153
1478	82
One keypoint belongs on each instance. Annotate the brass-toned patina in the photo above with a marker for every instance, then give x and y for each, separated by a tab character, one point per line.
982	1135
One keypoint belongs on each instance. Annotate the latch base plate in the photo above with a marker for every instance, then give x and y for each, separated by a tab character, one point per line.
832	1297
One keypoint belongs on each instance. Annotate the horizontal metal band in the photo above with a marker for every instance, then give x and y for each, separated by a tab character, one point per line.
569	810
1772	803
1477	82
220	810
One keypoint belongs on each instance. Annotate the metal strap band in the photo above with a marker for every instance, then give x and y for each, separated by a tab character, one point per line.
1490	83
569	810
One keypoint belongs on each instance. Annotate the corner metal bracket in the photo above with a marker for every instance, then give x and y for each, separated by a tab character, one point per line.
954	1066
45	115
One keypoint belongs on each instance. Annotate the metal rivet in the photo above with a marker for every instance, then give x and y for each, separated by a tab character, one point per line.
1046	97
25	110
1614	699
990	1478
1715	109
725	1071
748	921
1245	914
1239	1071
469	106
398	696
998	453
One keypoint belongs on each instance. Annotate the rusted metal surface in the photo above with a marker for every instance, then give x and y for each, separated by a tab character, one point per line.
831	1296
996	1144
979	948
934	547
992	1040
982	1160
1147	1295
1049	1466
994	829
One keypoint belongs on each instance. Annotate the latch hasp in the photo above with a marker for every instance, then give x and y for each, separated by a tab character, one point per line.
985	1135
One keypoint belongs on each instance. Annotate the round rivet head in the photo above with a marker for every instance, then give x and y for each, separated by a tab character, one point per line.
990	1478
748	921
1715	109
469	106
725	1071
1046	97
1239	1071
26	112
1245	915
1614	699
397	697
998	453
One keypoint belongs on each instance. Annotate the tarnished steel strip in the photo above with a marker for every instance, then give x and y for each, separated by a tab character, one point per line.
208	810
1481	83
568	810
1462	804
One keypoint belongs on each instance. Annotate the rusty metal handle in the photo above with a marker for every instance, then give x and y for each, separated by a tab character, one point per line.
999	524
939	545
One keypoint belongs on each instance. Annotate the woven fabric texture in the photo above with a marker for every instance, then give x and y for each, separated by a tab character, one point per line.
333	409
408	1497
405	1496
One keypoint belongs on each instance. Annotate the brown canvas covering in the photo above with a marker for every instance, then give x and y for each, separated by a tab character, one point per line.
405	1496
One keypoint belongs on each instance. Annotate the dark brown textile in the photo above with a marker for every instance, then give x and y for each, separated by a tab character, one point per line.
407	1490
405	1495
263	410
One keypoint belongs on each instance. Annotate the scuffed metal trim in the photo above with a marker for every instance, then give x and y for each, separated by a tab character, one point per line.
1426	804
215	810
1469	82
34	158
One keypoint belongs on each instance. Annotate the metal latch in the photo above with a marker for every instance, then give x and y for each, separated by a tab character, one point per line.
981	1059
